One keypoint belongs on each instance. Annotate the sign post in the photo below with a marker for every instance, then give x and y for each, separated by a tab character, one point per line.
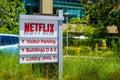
60	62
41	39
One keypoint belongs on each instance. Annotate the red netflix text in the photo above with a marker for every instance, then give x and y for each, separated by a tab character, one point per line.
38	27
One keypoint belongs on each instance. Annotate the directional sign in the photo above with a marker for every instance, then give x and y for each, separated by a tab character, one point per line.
39	39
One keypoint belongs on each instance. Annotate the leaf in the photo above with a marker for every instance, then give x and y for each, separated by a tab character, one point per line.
11	9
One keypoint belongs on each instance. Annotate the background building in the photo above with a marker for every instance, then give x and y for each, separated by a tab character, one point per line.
73	7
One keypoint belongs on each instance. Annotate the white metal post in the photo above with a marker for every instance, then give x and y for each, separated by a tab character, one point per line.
60	62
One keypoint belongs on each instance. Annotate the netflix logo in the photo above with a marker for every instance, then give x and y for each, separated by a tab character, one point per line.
38	27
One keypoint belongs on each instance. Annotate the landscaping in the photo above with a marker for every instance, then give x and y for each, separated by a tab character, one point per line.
74	68
96	57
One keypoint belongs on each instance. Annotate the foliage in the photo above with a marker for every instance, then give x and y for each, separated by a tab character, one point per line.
88	31
78	42
76	51
90	69
72	51
119	44
106	11
83	20
4	29
107	53
114	45
100	9
10	69
79	29
87	51
10	11
99	30
75	21
80	26
79	68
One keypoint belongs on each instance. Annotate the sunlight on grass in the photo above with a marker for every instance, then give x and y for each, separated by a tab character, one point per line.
73	69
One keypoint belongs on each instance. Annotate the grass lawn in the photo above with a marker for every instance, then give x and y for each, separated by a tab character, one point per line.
73	69
91	69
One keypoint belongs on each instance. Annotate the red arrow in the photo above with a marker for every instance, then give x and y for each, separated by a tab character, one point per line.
22	41
22	50
23	58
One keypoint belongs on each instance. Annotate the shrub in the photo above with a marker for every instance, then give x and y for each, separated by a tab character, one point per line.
114	45
78	42
10	11
107	53
71	51
85	49
81	50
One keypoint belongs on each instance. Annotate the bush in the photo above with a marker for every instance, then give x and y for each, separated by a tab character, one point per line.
85	49
107	53
4	29
9	14
78	42
82	50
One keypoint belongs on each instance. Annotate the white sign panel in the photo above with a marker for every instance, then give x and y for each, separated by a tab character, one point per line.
38	58
39	39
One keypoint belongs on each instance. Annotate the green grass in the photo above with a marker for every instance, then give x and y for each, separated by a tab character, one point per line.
10	69
91	69
73	69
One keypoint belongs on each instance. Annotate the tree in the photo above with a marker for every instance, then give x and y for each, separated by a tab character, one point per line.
9	14
81	27
83	20
106	12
